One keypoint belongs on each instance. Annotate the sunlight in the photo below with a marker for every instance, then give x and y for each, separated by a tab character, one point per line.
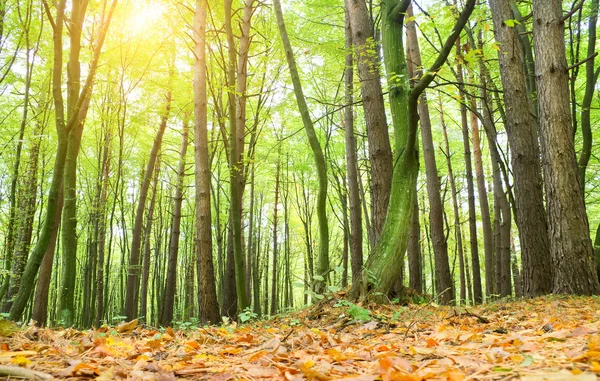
142	16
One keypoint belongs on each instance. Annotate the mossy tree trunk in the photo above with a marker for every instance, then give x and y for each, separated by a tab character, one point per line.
382	268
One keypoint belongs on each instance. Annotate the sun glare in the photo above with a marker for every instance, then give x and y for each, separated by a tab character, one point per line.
143	16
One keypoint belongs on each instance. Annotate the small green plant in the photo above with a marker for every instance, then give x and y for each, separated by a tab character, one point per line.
359	313
295	322
343	303
247	315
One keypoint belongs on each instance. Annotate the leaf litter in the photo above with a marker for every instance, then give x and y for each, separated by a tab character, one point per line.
550	338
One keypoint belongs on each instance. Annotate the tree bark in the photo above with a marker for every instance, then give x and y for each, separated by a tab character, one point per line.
321	167
436	219
522	136
380	151
207	294
456	209
477	290
570	244
171	282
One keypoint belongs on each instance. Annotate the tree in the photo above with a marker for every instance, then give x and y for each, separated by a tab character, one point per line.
384	264
321	167
522	135
77	104
356	252
436	211
570	244
380	151
207	295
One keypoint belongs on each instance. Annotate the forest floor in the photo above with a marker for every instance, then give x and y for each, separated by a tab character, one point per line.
550	338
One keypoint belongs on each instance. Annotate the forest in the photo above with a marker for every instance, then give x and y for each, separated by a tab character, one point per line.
184	161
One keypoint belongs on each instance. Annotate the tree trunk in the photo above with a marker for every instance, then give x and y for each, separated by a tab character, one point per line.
477	290
456	209
63	127
380	152
275	207
522	136
415	270
570	244
207	294
133	271
40	300
235	169
147	249
591	77
321	167
171	282
436	219
384	264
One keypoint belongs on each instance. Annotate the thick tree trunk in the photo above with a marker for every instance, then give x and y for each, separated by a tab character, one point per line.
522	135
207	294
171	282
387	259
380	152
570	244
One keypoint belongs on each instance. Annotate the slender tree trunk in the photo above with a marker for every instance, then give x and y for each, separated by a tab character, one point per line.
570	244
235	169
146	247
477	289
321	167
591	77
100	292
488	239
415	270
40	300
171	282
133	272
275	208
436	219
456	209
207	294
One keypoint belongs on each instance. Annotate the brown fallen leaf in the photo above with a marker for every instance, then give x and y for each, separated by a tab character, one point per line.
127	327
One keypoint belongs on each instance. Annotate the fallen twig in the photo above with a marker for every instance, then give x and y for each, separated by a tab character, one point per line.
17	371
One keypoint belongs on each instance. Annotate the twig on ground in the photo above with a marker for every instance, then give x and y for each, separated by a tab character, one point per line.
17	371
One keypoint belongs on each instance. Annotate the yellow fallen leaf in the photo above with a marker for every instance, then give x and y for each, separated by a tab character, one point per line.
20	360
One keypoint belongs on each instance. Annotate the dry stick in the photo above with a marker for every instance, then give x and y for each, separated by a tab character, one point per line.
419	309
16	371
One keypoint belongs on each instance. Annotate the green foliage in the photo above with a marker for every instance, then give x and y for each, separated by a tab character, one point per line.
247	315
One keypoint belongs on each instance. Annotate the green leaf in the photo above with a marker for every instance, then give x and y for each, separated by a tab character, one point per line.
319	278
511	23
333	288
528	361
